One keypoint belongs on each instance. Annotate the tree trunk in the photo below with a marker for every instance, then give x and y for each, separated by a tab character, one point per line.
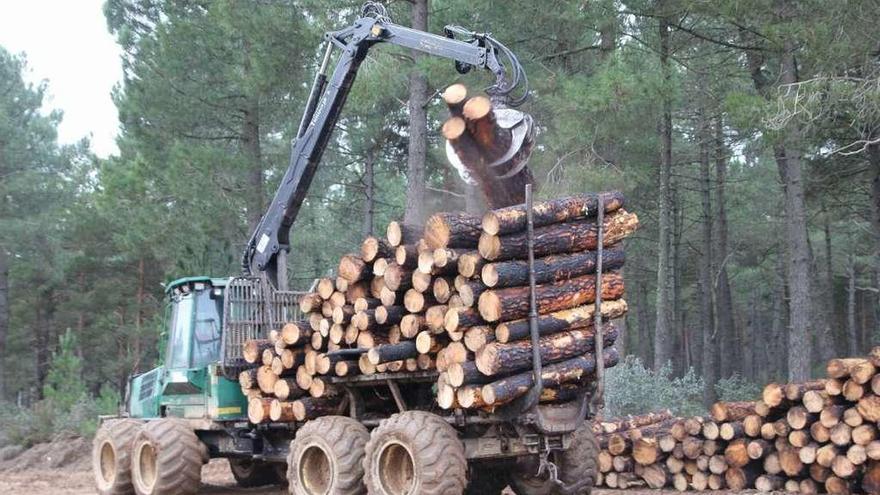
369	191
851	330
707	311
4	315
513	302
252	148
723	297
663	333
788	159
418	127
827	340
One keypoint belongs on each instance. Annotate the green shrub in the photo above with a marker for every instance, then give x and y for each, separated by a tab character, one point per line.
737	388
631	388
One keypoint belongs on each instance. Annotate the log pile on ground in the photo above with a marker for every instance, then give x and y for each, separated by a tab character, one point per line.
814	437
433	299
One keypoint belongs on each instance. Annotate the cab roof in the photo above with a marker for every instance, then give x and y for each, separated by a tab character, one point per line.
215	282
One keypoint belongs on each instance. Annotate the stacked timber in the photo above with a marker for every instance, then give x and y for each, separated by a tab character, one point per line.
430	299
815	437
488	361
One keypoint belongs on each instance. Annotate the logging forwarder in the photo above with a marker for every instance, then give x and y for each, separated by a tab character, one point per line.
192	408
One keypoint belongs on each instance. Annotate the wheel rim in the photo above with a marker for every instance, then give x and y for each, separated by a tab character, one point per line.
146	466
396	469
315	471
107	464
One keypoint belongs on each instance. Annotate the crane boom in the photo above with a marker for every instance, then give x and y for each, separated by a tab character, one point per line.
327	98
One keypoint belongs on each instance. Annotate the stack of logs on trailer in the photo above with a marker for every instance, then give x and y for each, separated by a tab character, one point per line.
452	297
814	437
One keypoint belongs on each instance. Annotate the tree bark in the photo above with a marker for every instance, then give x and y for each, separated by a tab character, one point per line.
723	297
497	358
549	269
579	317
559	238
4	315
252	148
663	333
513	218
455	230
788	159
513	302
851	330
708	292
418	127
570	370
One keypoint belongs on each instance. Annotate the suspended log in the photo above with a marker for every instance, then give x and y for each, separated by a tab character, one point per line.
578	317
575	369
496	358
513	303
550	268
513	218
559	238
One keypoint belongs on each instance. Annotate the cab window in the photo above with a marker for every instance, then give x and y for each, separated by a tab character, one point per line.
206	337
179	338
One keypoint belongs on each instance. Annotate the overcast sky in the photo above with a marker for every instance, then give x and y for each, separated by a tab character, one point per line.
67	43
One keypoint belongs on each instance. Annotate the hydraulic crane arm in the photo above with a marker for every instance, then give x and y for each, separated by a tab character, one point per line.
327	98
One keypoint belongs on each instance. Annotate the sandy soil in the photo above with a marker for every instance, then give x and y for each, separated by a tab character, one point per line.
63	468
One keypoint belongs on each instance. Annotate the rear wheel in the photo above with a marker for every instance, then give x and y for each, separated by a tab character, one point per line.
577	466
326	457
415	453
248	473
167	459
111	456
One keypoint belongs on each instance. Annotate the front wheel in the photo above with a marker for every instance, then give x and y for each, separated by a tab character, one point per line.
167	459
111	456
415	453
577	467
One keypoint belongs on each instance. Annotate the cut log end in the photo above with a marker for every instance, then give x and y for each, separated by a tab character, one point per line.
455	94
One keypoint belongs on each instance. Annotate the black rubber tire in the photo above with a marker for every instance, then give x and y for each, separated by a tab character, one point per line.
326	457
430	454
167	459
250	473
578	463
486	481
111	456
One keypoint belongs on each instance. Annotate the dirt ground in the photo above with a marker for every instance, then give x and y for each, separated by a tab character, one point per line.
63	468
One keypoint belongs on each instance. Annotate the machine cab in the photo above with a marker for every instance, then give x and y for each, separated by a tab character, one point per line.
188	384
